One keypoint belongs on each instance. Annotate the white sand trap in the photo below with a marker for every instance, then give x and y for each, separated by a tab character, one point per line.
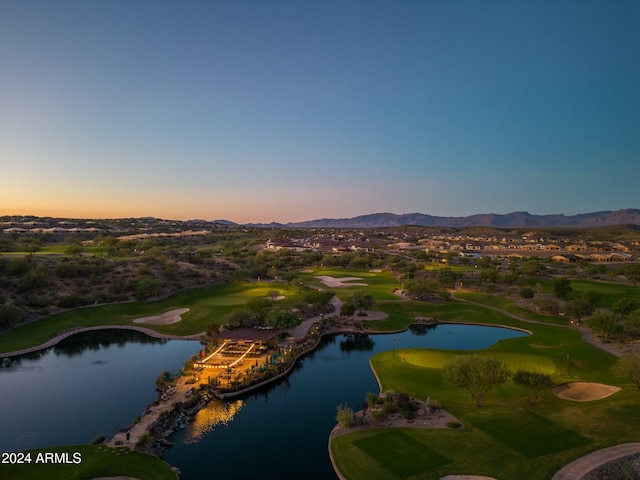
333	282
279	297
376	270
584	391
306	271
167	318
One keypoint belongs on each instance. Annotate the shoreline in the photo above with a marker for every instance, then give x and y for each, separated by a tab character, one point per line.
58	337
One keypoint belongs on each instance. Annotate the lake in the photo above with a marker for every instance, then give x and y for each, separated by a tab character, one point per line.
98	382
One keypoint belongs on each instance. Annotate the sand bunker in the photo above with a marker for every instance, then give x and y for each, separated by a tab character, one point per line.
376	270
584	391
333	282
167	318
306	271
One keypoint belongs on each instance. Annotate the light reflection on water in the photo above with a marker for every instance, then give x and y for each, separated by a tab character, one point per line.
215	413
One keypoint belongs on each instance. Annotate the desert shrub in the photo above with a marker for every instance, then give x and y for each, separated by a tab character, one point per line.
36	278
345	416
10	315
144	440
147	287
73	301
18	266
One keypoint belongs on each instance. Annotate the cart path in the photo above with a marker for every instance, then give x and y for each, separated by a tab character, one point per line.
580	467
587	335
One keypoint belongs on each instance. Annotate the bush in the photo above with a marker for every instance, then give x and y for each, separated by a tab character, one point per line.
10	315
147	287
144	440
345	416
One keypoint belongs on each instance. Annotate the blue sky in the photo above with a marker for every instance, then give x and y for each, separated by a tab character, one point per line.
260	111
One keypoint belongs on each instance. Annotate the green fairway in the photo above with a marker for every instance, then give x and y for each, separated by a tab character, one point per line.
94	462
379	284
505	438
399	453
206	305
609	291
515	361
529	434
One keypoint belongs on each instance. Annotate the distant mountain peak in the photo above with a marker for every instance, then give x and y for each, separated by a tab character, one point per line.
628	216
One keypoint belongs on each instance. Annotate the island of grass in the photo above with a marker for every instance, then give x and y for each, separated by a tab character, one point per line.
506	438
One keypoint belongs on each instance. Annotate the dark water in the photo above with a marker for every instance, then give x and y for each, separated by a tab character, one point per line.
90	384
282	432
98	382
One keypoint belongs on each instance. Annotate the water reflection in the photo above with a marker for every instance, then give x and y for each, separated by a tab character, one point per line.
96	340
358	342
215	413
90	384
421	330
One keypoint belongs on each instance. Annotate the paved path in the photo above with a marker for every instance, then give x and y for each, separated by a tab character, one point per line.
587	335
58	338
580	467
301	330
150	416
583	465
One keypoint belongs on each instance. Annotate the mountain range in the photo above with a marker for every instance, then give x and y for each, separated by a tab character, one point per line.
629	216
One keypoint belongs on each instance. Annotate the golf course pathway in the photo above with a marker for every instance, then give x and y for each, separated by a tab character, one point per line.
580	467
587	336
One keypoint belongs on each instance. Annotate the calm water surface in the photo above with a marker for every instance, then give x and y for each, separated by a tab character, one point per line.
90	384
282	432
97	383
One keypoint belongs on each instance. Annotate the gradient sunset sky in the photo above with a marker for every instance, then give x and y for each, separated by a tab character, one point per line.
269	110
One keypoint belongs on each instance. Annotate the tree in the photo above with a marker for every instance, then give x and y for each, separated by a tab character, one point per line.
578	308
361	300
534	384
447	277
605	324
282	319
347	309
632	272
624	306
476	375
561	287
526	292
629	366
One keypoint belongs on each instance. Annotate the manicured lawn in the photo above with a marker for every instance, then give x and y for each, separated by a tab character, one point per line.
453	268
529	434
510	306
609	292
207	305
400	453
515	361
379	284
505	438
96	461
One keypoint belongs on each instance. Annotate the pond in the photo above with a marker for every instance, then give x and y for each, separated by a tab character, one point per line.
282	431
90	384
97	383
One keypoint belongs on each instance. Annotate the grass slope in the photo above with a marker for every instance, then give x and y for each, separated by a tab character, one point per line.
207	305
506	438
96	461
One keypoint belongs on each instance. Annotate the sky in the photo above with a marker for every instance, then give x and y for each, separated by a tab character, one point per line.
261	111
